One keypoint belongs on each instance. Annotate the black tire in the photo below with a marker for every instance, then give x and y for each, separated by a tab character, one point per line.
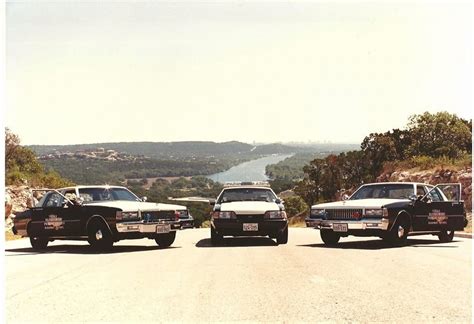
215	237
399	232
282	237
39	243
329	237
165	240
446	236
99	236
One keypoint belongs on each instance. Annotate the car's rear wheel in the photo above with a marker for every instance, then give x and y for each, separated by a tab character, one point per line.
99	235
446	236
282	237
39	243
165	240
216	238
329	237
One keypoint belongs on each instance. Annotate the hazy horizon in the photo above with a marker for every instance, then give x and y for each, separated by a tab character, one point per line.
290	143
162	71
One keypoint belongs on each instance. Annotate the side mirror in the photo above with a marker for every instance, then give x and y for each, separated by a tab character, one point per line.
212	202
144	198
278	201
345	197
413	197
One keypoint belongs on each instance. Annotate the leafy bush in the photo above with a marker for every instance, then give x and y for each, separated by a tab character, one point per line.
295	205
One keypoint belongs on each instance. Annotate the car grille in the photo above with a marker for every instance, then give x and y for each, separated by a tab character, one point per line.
351	214
250	218
149	217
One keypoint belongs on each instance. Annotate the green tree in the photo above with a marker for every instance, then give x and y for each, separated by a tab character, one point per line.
440	134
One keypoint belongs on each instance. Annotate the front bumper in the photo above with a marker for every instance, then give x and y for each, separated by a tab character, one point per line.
363	224
141	227
234	227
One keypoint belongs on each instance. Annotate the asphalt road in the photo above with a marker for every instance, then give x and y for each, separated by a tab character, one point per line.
243	280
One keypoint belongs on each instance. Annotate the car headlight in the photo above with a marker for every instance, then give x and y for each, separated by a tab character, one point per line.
129	215
318	213
223	214
275	214
376	212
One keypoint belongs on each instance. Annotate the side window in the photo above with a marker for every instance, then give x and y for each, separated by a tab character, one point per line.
420	191
436	195
53	200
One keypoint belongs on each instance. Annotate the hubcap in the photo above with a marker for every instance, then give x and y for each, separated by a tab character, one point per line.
98	235
401	231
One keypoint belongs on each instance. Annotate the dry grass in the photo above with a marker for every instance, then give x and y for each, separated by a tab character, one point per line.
297	221
9	236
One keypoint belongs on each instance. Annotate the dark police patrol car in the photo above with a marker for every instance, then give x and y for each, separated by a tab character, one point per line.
248	209
101	215
392	211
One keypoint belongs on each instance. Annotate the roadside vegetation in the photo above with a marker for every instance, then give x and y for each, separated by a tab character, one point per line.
22	167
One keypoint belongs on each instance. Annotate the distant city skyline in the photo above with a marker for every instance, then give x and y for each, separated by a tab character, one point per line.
82	72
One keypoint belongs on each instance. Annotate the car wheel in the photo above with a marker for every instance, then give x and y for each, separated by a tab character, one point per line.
215	237
282	237
399	232
38	243
99	236
329	237
165	240
446	236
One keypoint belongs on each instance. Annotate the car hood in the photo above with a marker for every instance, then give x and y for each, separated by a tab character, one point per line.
249	207
130	206
360	203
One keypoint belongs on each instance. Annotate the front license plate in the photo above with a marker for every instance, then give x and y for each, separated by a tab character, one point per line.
339	227
250	227
166	228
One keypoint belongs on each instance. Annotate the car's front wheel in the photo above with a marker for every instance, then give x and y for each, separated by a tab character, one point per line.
99	236
329	237
165	240
446	236
38	243
399	232
282	237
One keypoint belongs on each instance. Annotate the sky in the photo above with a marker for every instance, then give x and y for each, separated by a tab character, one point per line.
264	71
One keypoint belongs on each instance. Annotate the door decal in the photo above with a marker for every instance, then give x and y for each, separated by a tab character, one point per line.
53	222
437	217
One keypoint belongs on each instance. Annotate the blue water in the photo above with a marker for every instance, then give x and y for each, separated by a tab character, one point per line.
248	171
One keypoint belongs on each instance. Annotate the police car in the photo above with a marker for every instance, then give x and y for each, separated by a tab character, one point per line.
248	209
392	211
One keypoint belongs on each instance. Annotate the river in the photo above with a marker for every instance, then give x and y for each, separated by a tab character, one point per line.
253	170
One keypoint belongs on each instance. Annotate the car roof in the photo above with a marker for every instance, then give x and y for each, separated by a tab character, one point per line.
396	182
91	186
247	187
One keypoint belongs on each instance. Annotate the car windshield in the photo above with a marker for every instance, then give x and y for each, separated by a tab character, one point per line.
247	194
106	194
183	214
388	191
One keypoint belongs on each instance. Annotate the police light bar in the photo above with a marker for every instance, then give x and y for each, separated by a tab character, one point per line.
247	183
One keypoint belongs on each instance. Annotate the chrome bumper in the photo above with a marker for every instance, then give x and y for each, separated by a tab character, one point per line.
362	224
134	227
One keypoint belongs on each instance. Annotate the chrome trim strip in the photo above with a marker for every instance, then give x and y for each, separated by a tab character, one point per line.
141	228
445	215
362	224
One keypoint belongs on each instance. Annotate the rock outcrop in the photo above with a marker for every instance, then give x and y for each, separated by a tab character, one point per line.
463	176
